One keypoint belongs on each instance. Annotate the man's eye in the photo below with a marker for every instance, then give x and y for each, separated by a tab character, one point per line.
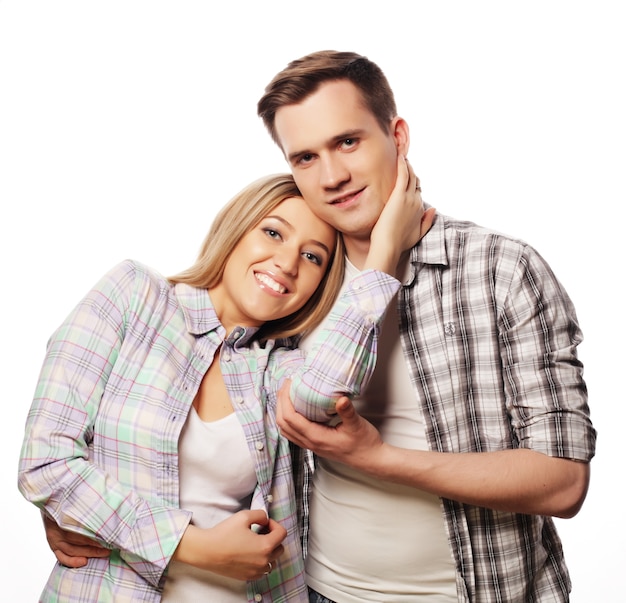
305	158
349	143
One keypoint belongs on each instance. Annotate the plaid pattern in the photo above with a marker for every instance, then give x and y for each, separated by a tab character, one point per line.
100	453
492	341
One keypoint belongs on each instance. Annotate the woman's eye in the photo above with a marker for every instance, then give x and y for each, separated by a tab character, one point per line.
270	232
311	257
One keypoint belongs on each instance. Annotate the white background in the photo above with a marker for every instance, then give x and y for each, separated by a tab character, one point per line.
125	125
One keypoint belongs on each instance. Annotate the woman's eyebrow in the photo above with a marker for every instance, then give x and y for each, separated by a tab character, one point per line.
290	226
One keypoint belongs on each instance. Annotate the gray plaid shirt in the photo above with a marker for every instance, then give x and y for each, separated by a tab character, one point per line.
492	337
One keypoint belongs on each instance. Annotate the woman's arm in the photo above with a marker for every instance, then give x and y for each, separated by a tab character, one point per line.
342	357
343	354
71	549
56	470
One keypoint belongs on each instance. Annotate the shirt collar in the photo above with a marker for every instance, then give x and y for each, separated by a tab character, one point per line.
431	249
201	318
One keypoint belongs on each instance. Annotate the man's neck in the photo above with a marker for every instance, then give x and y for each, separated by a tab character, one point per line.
357	250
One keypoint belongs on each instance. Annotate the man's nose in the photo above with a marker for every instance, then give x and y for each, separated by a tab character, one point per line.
333	173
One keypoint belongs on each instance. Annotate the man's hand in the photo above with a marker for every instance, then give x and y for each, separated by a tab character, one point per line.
517	481
71	549
353	441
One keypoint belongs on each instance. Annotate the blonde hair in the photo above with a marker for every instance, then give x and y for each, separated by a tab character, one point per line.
238	217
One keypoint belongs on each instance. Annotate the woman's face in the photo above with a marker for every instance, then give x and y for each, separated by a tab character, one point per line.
275	268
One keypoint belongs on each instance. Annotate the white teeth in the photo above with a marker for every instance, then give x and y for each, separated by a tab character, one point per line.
270	282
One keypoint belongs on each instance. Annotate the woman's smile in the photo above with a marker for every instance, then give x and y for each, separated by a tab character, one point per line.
275	268
267	280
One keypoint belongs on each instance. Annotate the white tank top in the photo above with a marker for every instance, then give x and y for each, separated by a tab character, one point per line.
372	540
217	479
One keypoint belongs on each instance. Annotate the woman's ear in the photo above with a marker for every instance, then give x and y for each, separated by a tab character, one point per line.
400	133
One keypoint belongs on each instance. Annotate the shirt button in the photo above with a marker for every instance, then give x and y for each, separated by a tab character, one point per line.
449	328
240	400
258	597
270	499
259	446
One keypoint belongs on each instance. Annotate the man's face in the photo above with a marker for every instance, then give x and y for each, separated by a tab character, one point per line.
343	162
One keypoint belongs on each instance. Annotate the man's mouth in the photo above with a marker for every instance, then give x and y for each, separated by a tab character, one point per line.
270	282
346	198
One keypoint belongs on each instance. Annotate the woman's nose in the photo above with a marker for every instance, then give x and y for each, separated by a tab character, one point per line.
287	260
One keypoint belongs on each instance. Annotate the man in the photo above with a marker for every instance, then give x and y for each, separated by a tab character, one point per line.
475	428
480	408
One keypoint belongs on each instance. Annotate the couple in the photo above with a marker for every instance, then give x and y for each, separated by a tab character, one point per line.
472	431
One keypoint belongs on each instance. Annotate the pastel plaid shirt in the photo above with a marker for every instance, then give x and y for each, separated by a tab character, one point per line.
100	453
490	340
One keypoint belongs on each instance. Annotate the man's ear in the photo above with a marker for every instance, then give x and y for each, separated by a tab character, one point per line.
400	133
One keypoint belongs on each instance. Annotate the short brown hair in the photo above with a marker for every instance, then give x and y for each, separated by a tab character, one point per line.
238	217
302	77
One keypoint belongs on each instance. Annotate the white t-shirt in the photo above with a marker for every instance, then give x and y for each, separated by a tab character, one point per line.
372	540
217	479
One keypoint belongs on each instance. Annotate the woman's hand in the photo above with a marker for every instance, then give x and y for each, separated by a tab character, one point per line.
232	548
401	224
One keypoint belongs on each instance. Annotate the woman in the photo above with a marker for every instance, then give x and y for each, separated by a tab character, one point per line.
153	430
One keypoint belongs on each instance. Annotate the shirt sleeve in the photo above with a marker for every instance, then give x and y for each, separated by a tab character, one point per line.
56	472
342	357
543	377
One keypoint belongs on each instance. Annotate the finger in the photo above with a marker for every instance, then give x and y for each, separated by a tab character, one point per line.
101	551
427	220
71	542
284	389
412	182
293	437
76	550
283	403
402	177
277	530
345	409
258	517
77	543
69	561
303	433
270	565
277	552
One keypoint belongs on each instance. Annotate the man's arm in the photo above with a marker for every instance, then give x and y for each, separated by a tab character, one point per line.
71	549
519	481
